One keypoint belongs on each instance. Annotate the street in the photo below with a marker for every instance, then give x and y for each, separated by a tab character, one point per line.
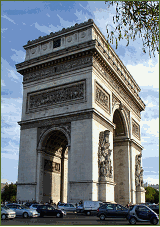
70	219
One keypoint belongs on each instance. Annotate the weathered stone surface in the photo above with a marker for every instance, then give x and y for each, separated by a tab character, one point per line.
74	87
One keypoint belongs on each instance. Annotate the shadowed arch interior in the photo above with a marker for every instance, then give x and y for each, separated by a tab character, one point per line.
55	140
118	121
55	159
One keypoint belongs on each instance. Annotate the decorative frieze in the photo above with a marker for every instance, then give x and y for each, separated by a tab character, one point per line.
104	156
58	68
102	98
51	166
56	95
135	129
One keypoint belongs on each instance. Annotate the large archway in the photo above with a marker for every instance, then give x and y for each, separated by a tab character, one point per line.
54	177
121	158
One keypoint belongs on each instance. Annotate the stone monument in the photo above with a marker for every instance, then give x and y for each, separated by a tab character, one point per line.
80	125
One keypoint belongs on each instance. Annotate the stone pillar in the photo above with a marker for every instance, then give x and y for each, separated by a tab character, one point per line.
69	164
121	171
39	188
132	176
62	178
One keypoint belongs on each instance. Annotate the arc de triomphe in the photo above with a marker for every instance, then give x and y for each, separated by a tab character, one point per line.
80	126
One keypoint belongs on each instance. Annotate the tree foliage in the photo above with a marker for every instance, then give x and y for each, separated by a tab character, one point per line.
9	193
152	195
136	18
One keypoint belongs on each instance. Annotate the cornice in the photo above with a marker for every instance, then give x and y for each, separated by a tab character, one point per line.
64	31
128	140
56	57
109	66
64	118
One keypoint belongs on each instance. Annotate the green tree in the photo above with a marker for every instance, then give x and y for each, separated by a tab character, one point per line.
152	195
9	193
136	18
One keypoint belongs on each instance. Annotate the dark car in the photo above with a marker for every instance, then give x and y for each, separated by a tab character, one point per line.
111	210
142	213
155	208
48	210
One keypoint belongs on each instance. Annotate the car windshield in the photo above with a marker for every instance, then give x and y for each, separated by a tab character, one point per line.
5	207
24	207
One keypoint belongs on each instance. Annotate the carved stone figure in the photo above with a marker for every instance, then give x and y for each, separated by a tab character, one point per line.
104	154
138	172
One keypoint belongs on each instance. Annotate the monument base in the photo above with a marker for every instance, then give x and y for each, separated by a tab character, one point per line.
106	190
140	194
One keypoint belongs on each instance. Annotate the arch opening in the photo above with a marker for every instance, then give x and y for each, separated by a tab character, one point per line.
120	157
55	167
118	121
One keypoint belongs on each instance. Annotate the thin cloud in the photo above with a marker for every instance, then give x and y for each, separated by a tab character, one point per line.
8	70
19	56
151	180
143	76
9	19
3	29
2	83
46	29
151	127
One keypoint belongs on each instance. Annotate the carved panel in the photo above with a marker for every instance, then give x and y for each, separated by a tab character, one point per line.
102	98
56	95
115	101
135	129
51	166
104	156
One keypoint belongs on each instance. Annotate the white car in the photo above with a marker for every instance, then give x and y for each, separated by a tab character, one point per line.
22	210
67	207
7	213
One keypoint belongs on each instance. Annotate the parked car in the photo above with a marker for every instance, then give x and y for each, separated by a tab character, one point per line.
34	206
79	209
67	207
155	208
141	213
89	207
28	204
48	210
22	210
7	213
112	210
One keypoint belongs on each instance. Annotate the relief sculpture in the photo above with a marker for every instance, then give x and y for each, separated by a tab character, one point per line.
138	171
102	98
104	156
57	95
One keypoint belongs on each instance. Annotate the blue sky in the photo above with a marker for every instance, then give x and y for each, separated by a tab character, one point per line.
22	21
